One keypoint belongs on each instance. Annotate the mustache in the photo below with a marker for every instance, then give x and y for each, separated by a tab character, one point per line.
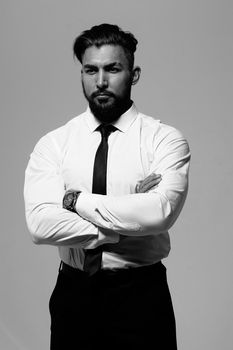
101	93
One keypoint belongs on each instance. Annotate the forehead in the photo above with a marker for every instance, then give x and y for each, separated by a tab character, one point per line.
104	55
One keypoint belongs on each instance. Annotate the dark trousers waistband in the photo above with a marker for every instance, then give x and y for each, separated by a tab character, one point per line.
143	271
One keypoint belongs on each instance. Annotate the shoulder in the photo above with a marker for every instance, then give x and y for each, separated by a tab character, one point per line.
162	139
155	128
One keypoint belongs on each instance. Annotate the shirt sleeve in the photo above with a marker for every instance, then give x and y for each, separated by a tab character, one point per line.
46	219
153	212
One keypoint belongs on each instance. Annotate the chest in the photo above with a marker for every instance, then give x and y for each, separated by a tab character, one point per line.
128	162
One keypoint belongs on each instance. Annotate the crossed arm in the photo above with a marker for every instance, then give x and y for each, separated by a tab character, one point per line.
71	196
102	219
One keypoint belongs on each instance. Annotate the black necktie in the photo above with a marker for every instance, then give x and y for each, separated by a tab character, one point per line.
93	257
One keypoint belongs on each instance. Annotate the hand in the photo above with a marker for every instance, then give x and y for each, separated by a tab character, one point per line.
149	182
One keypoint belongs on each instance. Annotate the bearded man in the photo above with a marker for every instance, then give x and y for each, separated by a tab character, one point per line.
105	188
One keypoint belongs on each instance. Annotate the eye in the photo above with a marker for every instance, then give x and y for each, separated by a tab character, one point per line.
114	70
90	71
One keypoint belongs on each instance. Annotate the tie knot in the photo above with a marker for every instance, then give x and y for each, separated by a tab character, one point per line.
106	130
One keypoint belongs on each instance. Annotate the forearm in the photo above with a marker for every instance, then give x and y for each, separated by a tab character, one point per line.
134	214
59	227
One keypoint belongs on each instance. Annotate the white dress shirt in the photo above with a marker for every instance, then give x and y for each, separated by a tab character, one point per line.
132	226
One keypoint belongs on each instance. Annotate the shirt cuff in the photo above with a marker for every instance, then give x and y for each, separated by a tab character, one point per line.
86	207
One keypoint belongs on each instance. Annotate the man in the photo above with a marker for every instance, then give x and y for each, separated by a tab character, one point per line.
105	189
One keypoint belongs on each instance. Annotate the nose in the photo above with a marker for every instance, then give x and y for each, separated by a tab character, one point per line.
101	80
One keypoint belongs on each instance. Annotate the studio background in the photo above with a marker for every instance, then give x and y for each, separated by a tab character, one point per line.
186	52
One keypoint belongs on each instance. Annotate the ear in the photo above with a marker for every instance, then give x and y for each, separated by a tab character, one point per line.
136	75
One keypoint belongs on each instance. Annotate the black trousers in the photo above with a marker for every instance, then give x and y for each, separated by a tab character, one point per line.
129	309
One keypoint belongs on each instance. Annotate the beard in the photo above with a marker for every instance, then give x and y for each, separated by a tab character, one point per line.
108	110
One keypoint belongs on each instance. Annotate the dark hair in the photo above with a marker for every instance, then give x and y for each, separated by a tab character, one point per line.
106	34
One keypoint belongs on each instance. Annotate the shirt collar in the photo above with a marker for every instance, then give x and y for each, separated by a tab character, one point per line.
122	124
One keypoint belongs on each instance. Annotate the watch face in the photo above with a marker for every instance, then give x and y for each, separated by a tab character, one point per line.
68	199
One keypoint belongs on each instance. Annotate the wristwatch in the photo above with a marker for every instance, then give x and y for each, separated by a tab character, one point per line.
70	199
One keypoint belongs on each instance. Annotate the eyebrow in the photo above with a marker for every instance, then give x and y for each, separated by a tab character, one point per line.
109	65
113	64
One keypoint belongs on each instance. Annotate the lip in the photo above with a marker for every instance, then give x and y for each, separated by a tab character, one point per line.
102	94
102	97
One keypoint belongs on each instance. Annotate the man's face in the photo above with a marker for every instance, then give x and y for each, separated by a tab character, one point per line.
106	80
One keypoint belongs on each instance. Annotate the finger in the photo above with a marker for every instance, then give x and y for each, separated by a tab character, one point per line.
146	188
140	185
149	185
137	187
150	178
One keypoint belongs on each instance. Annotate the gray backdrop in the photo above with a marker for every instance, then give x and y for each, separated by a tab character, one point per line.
186	54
